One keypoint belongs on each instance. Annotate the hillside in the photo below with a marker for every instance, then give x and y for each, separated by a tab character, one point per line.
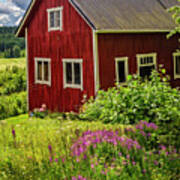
10	46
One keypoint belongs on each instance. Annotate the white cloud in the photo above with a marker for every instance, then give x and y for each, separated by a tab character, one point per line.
12	11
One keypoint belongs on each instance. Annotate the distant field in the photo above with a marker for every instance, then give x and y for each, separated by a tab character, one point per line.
21	62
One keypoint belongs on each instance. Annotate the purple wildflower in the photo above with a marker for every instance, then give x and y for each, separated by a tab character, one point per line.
14	133
50	148
156	163
144	171
120	154
50	159
134	163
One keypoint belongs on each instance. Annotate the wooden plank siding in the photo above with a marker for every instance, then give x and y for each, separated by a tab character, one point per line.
75	41
122	45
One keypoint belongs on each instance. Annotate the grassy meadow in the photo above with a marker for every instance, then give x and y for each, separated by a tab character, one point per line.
20	62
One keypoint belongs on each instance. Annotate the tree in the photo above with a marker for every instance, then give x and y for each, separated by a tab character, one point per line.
175	10
16	51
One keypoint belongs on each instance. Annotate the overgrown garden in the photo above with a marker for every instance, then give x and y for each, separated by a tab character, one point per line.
127	132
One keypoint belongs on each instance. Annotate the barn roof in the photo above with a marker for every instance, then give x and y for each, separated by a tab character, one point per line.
127	15
168	3
118	15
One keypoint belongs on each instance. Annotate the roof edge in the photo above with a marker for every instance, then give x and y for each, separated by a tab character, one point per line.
31	5
82	14
104	31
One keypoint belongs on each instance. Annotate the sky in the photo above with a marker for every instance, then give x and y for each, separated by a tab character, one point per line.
12	11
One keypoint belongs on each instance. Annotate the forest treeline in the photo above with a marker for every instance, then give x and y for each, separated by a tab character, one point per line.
10	46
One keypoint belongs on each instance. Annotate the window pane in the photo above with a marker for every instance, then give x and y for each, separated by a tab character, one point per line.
52	19
46	71
146	71
69	73
178	65
57	19
77	73
121	71
39	69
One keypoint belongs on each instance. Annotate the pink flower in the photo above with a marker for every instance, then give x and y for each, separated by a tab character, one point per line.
134	163
92	166
41	110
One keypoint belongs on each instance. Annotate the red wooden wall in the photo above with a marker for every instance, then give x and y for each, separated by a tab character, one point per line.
75	41
120	45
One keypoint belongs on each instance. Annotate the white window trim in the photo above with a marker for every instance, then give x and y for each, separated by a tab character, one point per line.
66	85
37	59
61	19
176	76
139	56
125	60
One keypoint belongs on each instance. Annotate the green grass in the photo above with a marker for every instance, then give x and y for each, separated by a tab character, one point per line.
33	136
17	119
20	62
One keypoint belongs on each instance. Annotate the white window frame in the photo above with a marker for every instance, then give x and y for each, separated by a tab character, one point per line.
139	56
176	76
126	70
75	86
38	59
61	19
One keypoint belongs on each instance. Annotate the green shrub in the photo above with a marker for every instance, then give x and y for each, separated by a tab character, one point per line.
13	105
12	80
152	101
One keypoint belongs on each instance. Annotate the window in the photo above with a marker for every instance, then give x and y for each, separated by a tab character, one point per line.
55	19
146	63
72	71
121	69
176	65
42	71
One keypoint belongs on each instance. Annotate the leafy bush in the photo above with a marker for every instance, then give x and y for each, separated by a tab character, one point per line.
13	105
152	101
12	80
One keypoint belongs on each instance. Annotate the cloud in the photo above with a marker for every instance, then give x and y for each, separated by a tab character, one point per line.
21	3
11	11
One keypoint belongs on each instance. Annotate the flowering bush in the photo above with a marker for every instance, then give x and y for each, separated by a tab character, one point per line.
110	156
151	100
41	112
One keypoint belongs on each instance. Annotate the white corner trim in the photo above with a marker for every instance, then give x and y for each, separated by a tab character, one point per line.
36	70
176	76
27	67
60	9
96	62
24	20
73	85
126	69
139	56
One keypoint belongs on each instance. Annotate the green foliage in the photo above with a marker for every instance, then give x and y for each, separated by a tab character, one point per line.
175	10
13	105
152	101
17	51
9	44
12	80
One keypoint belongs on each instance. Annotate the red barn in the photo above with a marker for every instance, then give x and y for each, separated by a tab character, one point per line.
75	47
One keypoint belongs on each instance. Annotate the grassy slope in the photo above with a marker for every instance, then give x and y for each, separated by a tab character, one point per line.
21	62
